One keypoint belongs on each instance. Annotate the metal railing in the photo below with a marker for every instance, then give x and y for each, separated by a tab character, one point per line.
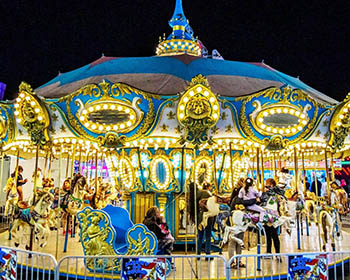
23	265
34	265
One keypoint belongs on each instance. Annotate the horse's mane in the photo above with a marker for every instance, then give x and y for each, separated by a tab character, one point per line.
75	180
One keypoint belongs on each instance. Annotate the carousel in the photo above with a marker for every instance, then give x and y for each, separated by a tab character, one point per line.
134	132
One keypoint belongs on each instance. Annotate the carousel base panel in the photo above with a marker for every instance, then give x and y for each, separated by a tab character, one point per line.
188	268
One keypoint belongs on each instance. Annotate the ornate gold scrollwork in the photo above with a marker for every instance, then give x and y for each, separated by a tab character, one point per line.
111	140
284	97
32	114
197	111
340	124
107	91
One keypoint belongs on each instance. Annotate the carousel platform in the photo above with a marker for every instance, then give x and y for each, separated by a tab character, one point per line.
186	266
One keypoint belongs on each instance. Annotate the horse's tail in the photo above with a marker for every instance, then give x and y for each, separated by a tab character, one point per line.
190	203
324	226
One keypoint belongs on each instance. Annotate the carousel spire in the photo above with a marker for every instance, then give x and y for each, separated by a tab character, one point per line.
181	39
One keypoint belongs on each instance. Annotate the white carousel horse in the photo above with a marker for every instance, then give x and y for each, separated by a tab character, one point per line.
35	216
341	200
12	196
213	209
330	224
105	193
75	200
239	224
310	207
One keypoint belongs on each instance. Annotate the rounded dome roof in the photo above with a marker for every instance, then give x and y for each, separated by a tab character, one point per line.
169	75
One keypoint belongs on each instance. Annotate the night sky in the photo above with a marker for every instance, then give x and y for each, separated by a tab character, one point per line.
309	39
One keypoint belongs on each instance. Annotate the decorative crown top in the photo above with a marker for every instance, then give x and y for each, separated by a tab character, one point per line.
181	39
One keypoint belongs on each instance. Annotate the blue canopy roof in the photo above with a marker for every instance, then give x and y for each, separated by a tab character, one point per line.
168	75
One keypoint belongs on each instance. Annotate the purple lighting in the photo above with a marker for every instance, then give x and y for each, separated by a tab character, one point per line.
2	90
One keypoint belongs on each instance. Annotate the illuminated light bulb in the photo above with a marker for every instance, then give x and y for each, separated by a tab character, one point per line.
341	117
199	89
220	142
100	128
191	93
81	118
268	128
86	124
128	123
309	144
297	113
132	117
74	140
93	126
263	126
215	116
55	141
16	113
206	93
338	123
285	110
127	110
302	116
119	108
215	107
345	110
18	99
22	95
61	140
249	143
122	126
27	98
304	122
32	103
98	107
256	145
300	127
212	99
150	140
36	110
91	109
40	118
260	120
274	130
181	116
115	127
186	99
113	107
291	111
105	106
108	128
84	112
182	107
265	114
287	130
279	111
281	131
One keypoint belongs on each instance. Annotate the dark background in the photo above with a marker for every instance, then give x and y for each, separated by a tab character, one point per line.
308	39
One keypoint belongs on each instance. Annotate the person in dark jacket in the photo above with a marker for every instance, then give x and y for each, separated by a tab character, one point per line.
201	194
319	187
20	182
154	222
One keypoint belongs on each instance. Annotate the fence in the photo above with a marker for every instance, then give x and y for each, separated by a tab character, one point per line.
20	264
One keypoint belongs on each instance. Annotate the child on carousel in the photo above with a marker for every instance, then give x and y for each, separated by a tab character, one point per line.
248	192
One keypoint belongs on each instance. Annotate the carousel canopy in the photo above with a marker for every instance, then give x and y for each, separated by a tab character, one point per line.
169	75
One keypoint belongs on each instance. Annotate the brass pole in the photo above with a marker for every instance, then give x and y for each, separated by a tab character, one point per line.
215	171
262	170
231	164
73	161
317	202
45	166
101	165
87	165
274	165
34	193
59	194
257	168
327	171
16	170
80	163
96	162
304	173
296	169
195	197
50	161
67	166
2	166
332	165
